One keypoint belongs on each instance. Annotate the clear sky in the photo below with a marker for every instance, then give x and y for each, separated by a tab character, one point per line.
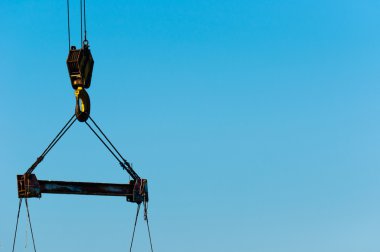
256	123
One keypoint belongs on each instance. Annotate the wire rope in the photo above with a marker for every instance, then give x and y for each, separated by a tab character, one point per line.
18	217
125	164
134	227
129	167
85	26
97	135
60	134
30	224
68	22
150	238
147	223
81	22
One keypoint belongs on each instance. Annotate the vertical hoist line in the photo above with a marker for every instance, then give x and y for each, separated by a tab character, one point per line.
18	216
68	22
85	26
81	23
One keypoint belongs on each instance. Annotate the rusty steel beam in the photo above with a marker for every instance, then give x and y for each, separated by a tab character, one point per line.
85	188
30	187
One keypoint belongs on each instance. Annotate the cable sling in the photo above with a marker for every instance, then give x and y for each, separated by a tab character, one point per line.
18	216
52	144
122	161
30	224
147	223
134	227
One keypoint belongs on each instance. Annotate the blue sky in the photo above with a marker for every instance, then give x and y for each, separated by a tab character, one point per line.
255	122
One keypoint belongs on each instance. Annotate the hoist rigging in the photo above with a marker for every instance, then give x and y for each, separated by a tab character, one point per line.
80	65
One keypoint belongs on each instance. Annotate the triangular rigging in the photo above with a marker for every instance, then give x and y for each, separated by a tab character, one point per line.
80	65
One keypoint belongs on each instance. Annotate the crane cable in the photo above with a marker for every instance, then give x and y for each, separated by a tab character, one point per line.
30	224
122	161
60	134
147	223
18	216
85	26
82	21
134	227
68	22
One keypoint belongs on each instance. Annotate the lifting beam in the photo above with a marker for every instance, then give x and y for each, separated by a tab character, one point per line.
30	187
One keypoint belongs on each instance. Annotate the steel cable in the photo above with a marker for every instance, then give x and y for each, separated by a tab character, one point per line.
30	224
18	216
85	26
52	143
129	167
81	23
125	164
96	134
96	125
134	227
150	238
147	222
68	21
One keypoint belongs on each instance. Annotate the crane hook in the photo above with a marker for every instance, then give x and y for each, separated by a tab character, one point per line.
83	105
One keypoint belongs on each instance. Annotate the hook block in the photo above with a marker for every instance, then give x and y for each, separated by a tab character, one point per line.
80	65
